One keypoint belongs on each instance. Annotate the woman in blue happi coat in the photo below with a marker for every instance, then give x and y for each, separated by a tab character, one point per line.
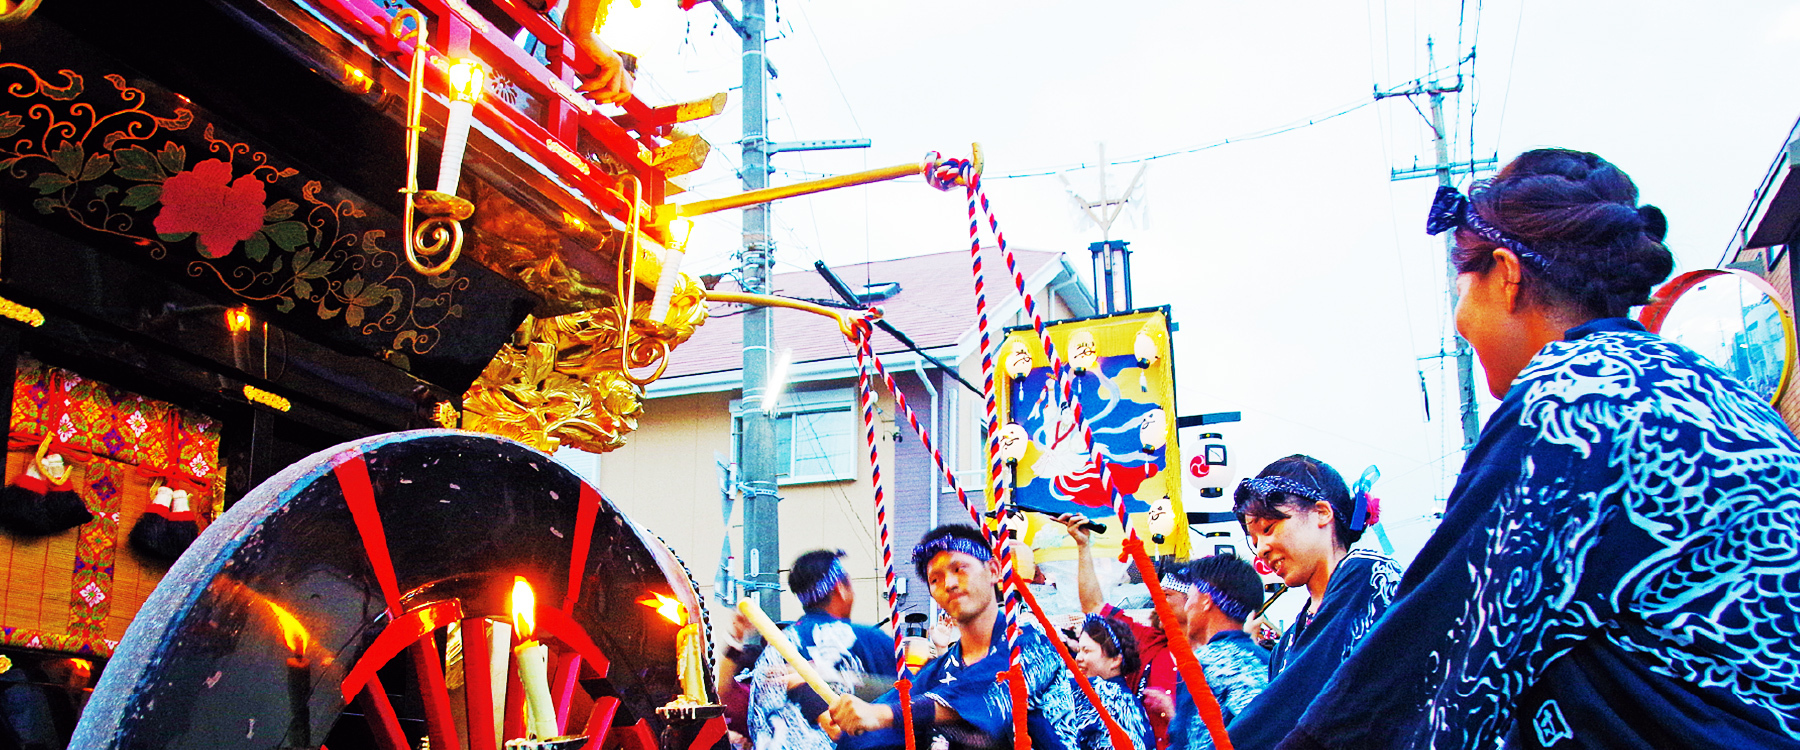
1301	520
1108	656
1617	565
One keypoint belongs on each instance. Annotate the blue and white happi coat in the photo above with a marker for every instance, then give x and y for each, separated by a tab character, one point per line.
1618	566
1236	670
983	702
846	655
1125	708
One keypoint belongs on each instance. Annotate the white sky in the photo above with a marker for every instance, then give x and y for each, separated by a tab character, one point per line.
1299	273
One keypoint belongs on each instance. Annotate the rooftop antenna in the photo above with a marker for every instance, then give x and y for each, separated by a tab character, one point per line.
1104	212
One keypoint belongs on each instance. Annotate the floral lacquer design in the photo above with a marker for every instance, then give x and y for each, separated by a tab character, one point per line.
105	160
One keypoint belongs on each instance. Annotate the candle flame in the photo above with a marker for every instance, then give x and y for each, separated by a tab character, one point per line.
668	607
467	78
292	632
524	608
237	319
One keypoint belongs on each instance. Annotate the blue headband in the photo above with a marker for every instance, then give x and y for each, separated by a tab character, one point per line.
1451	209
922	554
1227	606
1264	486
827	583
1111	634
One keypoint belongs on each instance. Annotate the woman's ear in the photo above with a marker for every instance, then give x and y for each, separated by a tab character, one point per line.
1323	513
1510	275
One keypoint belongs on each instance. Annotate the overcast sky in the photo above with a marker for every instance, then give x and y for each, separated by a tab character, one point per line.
1304	287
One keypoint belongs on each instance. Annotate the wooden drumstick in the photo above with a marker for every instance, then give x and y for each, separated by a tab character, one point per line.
772	636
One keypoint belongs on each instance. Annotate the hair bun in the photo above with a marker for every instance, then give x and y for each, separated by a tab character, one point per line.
1655	224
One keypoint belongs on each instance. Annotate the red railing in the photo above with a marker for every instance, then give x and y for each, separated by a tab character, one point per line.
553	139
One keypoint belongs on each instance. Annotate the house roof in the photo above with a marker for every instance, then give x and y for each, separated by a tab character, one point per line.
935	307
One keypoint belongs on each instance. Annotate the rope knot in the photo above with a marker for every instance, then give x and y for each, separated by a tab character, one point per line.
944	174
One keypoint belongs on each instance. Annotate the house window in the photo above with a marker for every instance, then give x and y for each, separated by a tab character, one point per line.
815	436
815	446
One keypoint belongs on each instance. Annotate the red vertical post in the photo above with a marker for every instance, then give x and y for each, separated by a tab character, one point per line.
478	683
515	703
378	711
440	722
562	688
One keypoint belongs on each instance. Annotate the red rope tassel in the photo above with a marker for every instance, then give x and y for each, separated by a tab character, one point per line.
1185	661
904	685
1015	683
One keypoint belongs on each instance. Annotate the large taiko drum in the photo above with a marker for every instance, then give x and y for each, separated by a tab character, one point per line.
316	610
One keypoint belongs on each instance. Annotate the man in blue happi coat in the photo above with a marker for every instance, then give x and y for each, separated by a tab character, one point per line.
958	697
853	659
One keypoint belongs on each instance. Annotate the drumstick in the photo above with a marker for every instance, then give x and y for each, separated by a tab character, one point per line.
772	636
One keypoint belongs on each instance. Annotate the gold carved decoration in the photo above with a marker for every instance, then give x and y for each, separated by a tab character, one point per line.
562	380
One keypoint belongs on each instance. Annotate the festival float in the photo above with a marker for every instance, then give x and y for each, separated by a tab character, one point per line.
281	416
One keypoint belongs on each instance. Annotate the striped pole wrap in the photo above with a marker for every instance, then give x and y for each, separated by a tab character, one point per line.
1120	738
1186	663
866	399
991	429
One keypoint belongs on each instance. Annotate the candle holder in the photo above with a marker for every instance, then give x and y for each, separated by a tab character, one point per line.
432	223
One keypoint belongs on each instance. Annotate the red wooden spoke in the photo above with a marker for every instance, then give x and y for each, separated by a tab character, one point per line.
404	631
637	737
553	623
710	734
440	722
478	683
353	480
600	722
562	687
584	537
379	712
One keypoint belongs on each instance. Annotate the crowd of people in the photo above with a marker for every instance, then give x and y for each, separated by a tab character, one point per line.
1617	565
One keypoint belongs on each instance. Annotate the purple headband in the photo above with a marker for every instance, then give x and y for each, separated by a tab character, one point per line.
1111	633
1451	209
827	583
922	554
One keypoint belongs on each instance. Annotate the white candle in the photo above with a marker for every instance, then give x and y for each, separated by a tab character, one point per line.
534	674
665	284
456	139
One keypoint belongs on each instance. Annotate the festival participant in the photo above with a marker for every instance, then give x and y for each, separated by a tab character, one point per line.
855	659
1222	592
959	696
1299	517
1615	567
1108	657
1154	682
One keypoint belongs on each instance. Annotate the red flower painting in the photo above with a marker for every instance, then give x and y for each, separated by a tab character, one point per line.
207	201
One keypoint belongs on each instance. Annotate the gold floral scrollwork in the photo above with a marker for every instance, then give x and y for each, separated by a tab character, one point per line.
563	381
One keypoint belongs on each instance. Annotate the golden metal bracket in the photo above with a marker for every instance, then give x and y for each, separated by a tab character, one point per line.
13	13
441	230
671	211
846	319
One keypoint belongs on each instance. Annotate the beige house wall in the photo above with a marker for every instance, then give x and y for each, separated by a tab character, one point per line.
664	479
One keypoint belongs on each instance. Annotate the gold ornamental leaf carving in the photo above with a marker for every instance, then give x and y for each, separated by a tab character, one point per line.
560	381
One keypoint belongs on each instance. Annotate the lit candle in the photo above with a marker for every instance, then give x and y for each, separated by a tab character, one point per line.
671	270
689	662
299	674
534	664
466	81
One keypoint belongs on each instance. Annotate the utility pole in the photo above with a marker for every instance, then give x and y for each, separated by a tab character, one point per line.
1444	170
1104	212
756	452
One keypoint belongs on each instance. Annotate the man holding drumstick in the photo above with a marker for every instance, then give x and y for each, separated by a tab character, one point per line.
957	696
852	659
